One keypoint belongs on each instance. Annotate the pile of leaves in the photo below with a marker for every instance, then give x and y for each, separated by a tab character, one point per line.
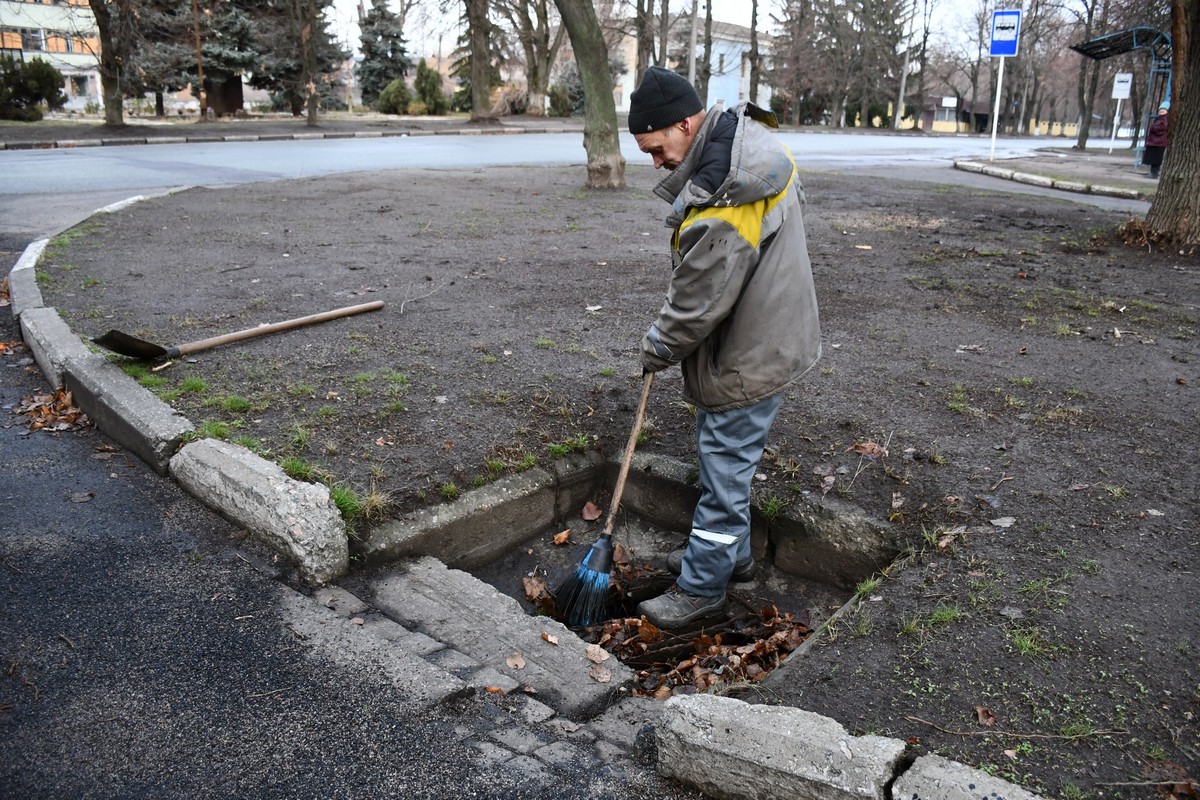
53	411
741	650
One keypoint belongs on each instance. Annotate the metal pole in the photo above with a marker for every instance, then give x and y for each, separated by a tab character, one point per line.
996	107
1116	124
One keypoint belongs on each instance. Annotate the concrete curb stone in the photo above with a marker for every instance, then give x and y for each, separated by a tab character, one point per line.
731	749
1047	182
298	520
935	778
125	410
23	290
53	343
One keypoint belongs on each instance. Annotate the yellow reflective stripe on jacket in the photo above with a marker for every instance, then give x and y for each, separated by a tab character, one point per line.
747	219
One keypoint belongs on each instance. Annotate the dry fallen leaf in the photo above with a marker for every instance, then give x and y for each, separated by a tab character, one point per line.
549	638
535	588
600	674
591	512
1004	522
869	449
985	716
515	661
562	537
82	497
357	621
496	690
597	654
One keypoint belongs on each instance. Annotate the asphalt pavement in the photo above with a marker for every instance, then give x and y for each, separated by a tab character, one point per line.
148	649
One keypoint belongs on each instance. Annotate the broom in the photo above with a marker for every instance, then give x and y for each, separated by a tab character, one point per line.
583	598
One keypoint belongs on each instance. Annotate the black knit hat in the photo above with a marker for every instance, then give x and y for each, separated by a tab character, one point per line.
660	100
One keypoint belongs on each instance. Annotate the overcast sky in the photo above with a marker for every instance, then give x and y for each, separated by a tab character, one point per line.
424	30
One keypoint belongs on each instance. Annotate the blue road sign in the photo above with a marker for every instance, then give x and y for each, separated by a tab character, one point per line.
1006	32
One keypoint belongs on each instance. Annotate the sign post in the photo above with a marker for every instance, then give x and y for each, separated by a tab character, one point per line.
1122	83
1006	36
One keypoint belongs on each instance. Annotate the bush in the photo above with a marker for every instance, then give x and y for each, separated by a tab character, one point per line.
394	99
25	86
428	86
561	102
511	100
417	109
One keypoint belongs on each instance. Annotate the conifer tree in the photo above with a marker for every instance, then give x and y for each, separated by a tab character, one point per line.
385	57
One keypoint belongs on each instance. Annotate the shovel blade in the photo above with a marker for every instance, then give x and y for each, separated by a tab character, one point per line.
131	346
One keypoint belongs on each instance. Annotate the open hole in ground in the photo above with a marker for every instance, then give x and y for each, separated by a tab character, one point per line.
768	617
462	574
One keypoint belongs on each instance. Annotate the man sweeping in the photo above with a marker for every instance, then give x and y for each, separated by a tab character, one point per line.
740	316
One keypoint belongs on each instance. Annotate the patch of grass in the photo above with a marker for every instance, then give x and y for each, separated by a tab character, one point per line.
327	412
1064	329
958	400
578	444
298	437
392	408
235	404
1024	381
1117	492
448	490
301	390
348	503
298	469
213	429
545	344
364	377
773	506
867	587
194	384
251	444
943	615
606	372
1027	641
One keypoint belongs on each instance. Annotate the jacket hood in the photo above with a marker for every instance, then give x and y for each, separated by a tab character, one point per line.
755	172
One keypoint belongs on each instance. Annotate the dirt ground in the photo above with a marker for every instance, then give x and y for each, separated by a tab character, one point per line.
1032	379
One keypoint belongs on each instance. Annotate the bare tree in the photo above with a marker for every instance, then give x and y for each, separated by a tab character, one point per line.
477	33
1175	213
115	26
754	55
606	165
540	40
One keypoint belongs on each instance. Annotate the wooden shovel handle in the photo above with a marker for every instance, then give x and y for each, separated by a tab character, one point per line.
619	489
262	330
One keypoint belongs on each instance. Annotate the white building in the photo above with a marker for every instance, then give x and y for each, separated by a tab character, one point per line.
61	33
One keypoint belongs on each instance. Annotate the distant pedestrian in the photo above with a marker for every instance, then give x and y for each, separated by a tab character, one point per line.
1157	135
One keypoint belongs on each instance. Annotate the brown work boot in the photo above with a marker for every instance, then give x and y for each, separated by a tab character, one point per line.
741	573
676	608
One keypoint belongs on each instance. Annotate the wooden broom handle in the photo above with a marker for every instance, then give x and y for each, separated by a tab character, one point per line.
619	489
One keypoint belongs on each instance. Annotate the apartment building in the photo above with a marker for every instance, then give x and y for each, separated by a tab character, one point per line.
61	33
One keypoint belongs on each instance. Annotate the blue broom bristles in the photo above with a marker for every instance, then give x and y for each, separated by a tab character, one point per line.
583	598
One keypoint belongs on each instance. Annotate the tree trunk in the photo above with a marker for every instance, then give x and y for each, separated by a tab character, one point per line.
109	26
644	23
606	165
753	96
1175	213
477	24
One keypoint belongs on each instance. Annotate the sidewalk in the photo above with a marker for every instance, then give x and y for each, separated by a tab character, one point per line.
1091	172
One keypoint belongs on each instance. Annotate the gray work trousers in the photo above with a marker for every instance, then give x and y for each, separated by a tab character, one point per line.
730	444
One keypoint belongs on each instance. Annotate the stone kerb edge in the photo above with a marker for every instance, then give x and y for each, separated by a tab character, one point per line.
732	749
298	520
134	416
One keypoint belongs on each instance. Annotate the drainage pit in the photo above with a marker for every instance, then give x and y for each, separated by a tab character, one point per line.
475	575
768	618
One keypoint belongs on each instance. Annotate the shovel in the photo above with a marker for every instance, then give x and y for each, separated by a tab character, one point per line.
134	347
